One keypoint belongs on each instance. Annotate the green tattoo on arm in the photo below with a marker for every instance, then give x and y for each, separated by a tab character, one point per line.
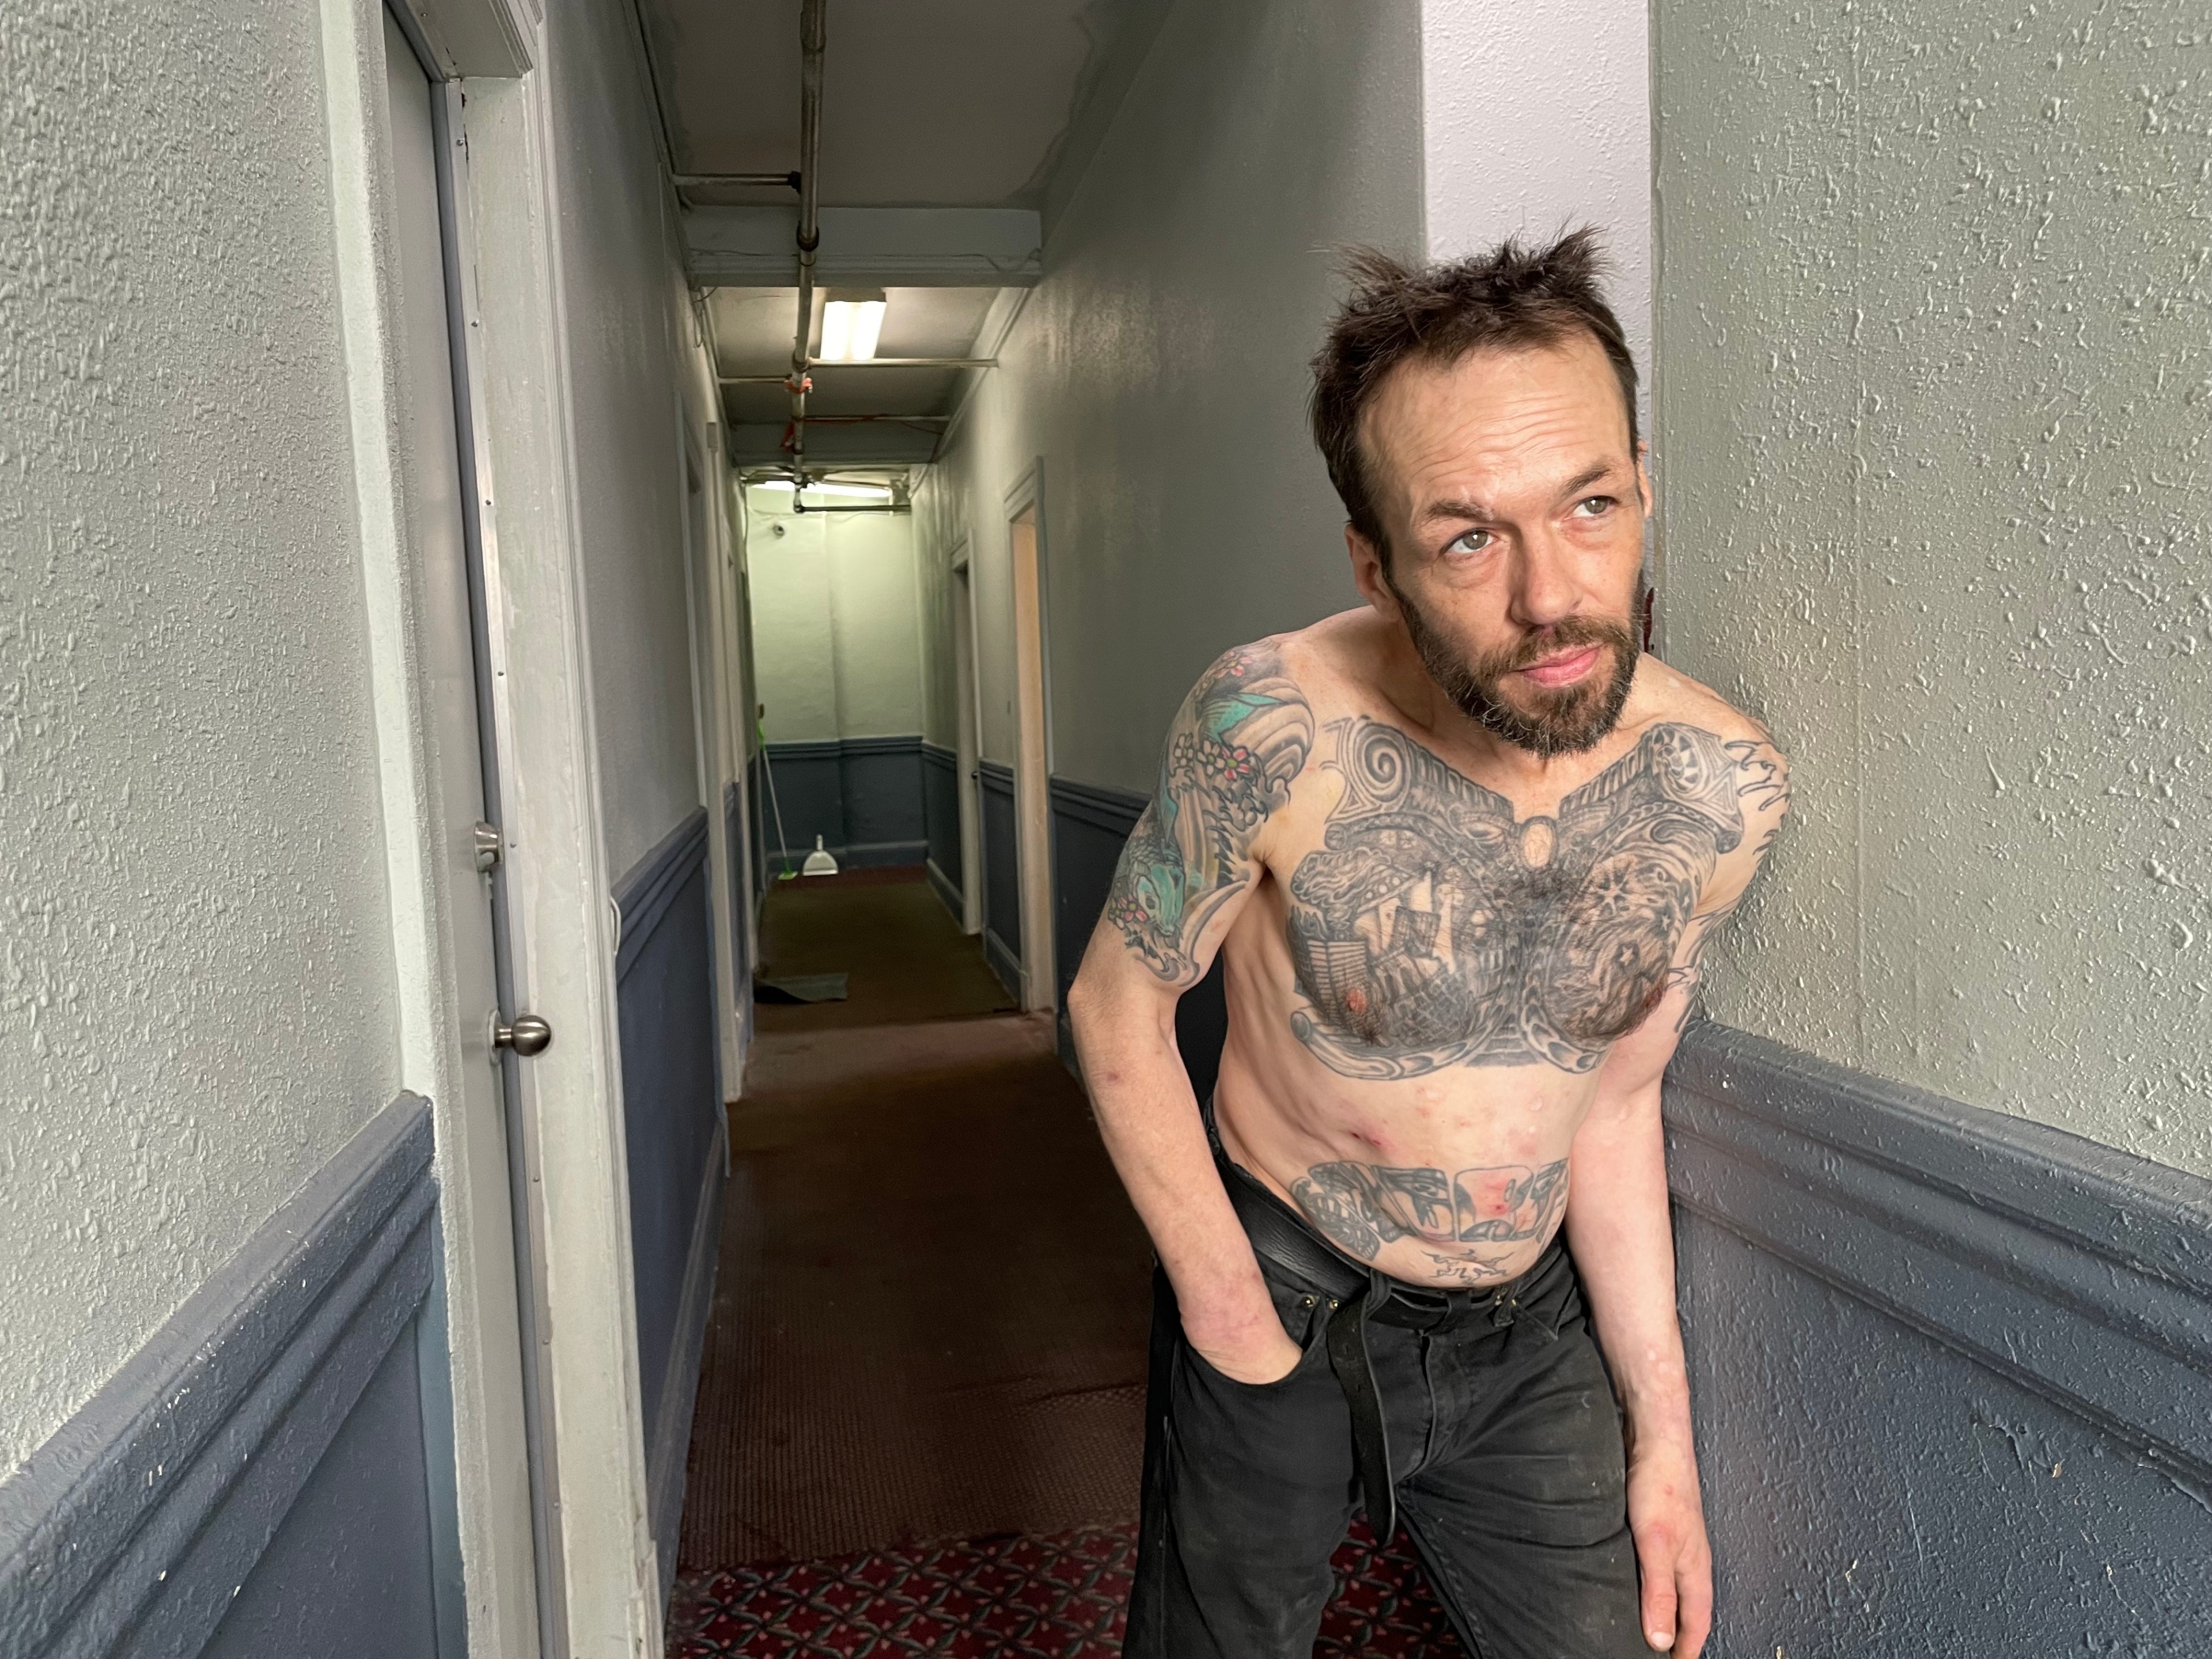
1243	735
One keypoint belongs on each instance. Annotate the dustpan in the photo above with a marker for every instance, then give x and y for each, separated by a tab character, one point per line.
818	862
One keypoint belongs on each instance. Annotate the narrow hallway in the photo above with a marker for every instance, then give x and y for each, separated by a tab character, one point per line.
920	1421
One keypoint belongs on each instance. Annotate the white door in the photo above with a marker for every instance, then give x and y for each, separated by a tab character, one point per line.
441	530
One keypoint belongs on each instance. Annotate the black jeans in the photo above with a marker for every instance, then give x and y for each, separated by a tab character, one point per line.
1504	1441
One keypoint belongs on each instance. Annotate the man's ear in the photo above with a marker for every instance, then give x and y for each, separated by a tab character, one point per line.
1644	474
1369	574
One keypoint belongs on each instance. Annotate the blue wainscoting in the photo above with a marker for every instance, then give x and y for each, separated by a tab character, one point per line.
264	1477
1952	1370
940	817
862	796
1090	822
672	1129
767	859
733	831
1002	874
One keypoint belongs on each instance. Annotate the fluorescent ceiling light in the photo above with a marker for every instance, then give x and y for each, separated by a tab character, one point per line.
866	492
852	321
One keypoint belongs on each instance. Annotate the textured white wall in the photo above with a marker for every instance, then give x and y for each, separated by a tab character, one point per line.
1935	434
1536	117
1160	370
836	622
630	329
197	1005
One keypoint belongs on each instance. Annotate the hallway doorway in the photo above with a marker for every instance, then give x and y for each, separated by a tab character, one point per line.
1033	750
967	726
438	417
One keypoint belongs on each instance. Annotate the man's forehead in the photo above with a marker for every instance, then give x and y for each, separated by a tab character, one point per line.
1524	416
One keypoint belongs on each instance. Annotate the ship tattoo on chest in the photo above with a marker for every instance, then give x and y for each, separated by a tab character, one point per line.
1432	929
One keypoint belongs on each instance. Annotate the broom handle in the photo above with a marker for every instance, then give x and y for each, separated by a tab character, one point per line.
768	771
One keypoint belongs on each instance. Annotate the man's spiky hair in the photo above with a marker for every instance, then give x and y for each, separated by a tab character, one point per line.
1512	298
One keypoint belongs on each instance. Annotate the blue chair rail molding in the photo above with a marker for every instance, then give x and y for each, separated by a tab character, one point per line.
257	1478
863	796
673	1130
1952	1368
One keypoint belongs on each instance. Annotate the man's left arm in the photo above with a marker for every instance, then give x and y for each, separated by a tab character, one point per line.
1619	1232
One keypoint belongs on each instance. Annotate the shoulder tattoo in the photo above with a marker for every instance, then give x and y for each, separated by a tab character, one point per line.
1242	737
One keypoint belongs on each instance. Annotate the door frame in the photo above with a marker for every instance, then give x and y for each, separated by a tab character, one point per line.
510	202
479	1354
966	739
707	627
1033	756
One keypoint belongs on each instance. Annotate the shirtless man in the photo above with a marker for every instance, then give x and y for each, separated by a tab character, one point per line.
1459	851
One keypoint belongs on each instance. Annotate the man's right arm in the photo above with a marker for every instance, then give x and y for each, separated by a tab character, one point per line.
1240	738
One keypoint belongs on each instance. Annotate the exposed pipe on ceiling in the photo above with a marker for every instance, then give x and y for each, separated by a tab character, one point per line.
737	180
813	38
867	362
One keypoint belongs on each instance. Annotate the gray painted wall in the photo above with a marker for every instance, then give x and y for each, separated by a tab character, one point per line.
1936	333
197	1003
1952	1371
354	1552
630	339
260	1477
1159	368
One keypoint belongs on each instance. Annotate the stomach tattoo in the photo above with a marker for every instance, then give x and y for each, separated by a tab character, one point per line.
1361	1207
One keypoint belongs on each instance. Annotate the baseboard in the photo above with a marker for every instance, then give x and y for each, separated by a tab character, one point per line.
132	1528
1004	961
672	1447
880	855
947	891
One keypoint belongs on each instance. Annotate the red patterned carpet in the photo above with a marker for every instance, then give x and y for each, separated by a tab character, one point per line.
1059	1597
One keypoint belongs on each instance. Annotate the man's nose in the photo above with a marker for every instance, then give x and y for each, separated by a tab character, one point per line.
1547	589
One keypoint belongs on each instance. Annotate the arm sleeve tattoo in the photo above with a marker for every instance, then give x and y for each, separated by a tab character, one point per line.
1242	737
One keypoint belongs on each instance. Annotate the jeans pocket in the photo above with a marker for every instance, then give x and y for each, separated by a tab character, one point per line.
1301	1323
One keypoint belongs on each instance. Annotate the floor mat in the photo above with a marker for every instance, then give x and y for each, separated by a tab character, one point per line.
1057	1597
802	988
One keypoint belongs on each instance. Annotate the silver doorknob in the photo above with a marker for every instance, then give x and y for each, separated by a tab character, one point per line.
528	1036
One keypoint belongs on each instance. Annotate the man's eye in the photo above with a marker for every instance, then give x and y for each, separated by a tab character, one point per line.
1594	506
1472	541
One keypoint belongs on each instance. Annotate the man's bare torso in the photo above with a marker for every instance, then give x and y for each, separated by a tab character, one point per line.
1437	958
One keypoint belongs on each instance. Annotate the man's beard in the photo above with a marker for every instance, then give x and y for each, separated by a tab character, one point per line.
1564	721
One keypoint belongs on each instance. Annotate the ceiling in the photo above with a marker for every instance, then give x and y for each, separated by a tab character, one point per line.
955	104
951	103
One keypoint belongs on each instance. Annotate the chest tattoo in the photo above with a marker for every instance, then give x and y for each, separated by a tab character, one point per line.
1430	929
